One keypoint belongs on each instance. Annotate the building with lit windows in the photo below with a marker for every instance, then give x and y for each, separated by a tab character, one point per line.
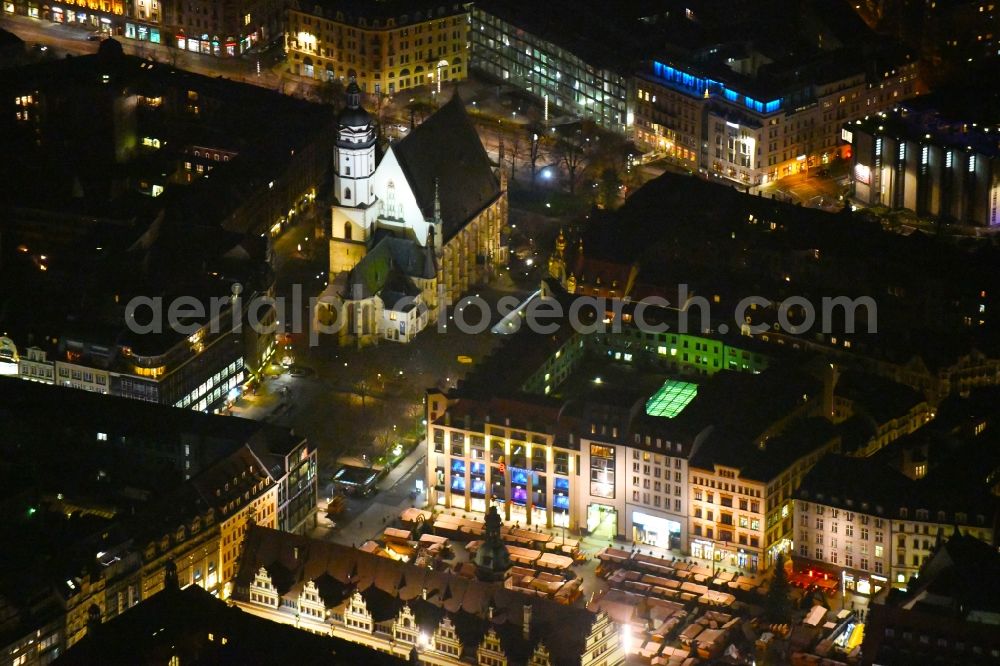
741	492
223	29
752	455
413	233
727	121
189	626
949	612
35	366
387	46
141	20
130	488
939	166
580	433
552	51
155	217
946	35
870	527
412	612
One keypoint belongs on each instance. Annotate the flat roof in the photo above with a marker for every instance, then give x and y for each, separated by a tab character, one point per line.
671	398
355	476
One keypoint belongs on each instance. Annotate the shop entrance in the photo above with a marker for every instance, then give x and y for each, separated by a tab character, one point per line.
602	521
654	531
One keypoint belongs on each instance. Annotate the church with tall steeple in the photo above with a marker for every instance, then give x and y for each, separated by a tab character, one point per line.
411	232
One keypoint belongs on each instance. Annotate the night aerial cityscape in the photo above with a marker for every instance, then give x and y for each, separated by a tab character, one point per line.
500	332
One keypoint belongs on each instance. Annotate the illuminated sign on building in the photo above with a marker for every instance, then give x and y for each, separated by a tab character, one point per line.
863	174
847	135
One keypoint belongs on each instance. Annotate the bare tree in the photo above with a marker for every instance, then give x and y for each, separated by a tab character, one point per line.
514	151
419	108
536	134
330	92
571	151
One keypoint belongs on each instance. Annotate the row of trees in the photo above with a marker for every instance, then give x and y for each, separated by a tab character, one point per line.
586	156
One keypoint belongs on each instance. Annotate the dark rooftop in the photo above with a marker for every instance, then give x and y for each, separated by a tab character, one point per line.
747	405
881	398
838	479
387	585
36	405
765	462
445	149
403	12
920	121
197	628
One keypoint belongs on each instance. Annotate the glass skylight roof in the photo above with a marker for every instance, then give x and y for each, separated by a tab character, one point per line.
671	399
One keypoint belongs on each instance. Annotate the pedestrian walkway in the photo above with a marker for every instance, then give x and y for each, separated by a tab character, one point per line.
385	507
264	401
404	467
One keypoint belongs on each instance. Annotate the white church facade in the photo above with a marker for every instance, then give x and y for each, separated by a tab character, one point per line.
413	232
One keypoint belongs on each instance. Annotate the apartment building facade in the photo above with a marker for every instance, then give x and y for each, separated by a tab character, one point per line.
387	52
731	130
741	512
871	527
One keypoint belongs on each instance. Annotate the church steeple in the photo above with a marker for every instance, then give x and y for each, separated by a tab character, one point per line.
354	155
353	94
557	260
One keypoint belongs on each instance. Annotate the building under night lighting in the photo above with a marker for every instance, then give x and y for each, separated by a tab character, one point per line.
939	167
123	488
401	609
388	46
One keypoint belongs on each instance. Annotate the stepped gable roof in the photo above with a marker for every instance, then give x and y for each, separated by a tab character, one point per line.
205	630
431	595
446	148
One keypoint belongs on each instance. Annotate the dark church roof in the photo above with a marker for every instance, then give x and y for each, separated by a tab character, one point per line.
446	147
391	264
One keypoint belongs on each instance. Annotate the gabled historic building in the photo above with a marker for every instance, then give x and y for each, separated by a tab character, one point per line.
413	232
399	609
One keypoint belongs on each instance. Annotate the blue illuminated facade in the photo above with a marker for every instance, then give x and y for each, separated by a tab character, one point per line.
699	84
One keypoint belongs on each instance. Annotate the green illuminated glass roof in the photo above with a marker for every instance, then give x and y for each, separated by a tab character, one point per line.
671	399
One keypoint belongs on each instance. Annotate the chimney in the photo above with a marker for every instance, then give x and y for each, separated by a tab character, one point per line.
526	627
489	611
295	553
423	594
